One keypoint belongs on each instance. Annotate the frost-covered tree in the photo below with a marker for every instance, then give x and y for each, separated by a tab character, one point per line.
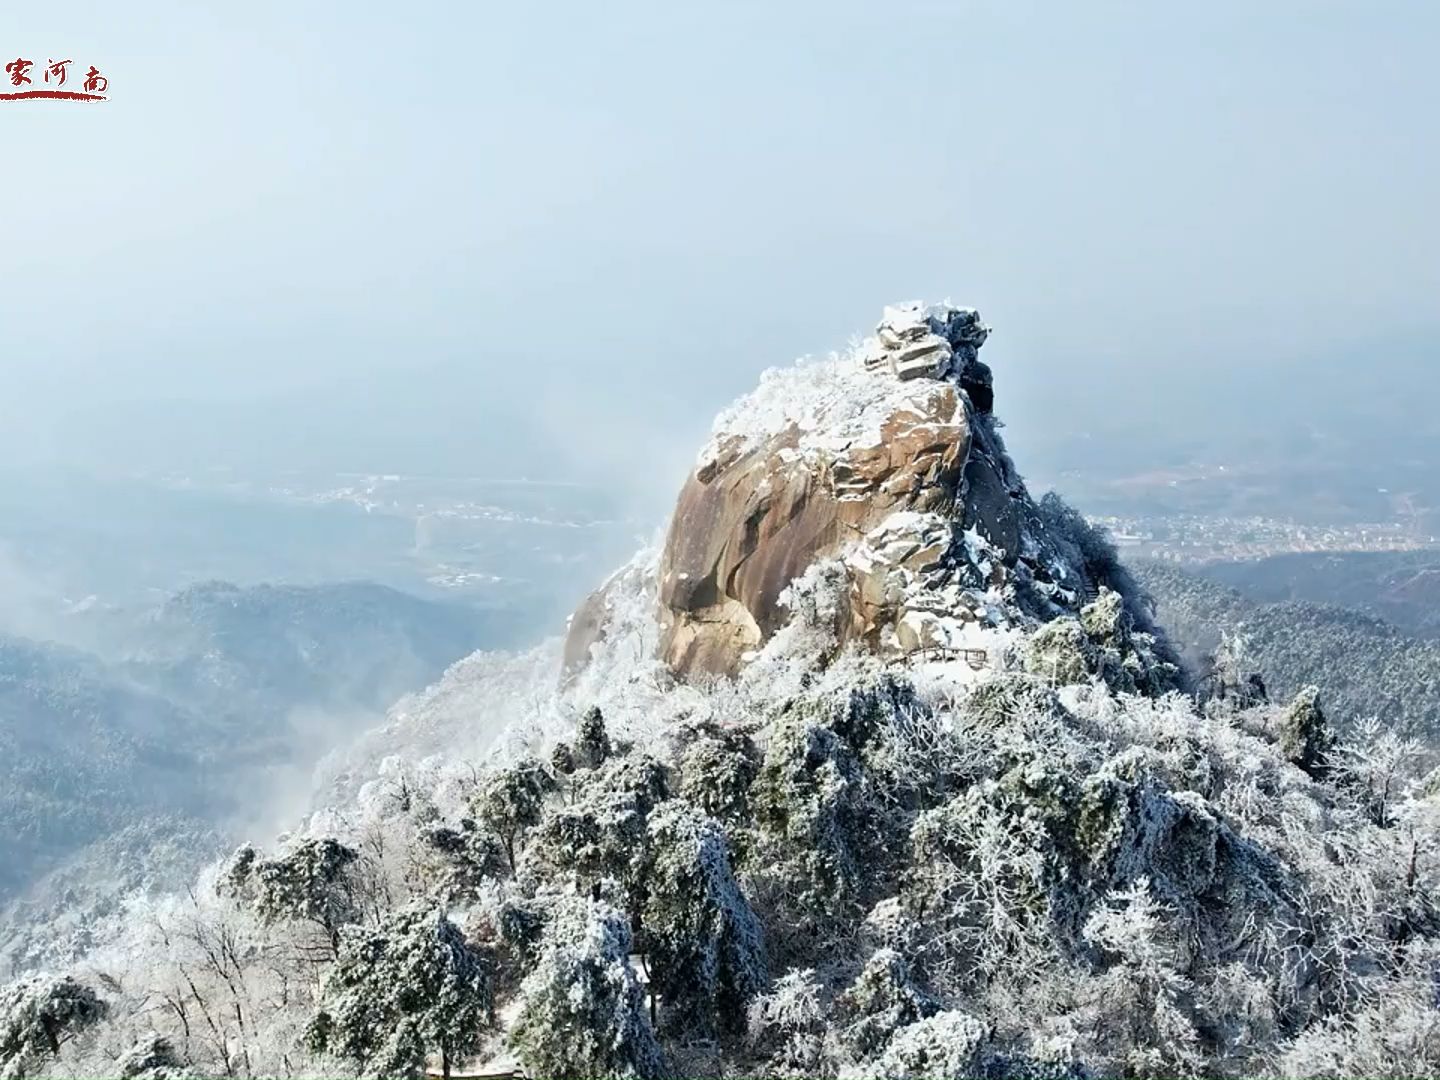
519	924
153	1058
1062	653
717	769
704	946
401	990
562	759
1395	1033
1228	680
1306	738
600	835
1102	643
38	1016
810	811
313	881
977	886
583	1009
842	778
462	858
818	602
883	999
592	740
1145	996
946	1046
1089	547
1132	660
509	802
1374	762
788	1025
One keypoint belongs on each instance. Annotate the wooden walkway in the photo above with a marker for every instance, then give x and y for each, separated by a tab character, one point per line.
975	659
498	1067
484	1073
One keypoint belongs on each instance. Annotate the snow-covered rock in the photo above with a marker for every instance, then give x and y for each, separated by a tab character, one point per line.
886	458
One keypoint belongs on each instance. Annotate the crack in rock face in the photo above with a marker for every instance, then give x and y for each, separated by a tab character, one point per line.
886	458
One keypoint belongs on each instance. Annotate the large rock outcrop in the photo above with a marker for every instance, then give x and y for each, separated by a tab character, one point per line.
887	459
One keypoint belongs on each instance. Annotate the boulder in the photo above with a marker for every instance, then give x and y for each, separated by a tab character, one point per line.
886	459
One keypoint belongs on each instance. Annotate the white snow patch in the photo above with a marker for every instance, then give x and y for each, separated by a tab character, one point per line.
835	403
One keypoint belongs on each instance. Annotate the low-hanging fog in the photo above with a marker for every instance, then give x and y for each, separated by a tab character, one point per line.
500	240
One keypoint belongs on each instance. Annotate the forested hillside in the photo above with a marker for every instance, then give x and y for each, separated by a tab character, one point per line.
1364	666
1401	587
83	751
129	770
830	868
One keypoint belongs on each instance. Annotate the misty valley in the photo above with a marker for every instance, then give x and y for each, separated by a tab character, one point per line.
152	710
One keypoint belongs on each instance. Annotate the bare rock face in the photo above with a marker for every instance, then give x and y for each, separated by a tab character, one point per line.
753	518
587	626
886	458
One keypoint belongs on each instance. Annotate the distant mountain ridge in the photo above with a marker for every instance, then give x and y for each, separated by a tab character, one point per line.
1401	587
186	713
1363	665
352	643
83	750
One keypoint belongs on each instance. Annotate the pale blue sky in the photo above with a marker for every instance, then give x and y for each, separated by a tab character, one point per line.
520	221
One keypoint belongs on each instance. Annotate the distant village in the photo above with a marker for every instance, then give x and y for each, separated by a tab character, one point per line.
1194	539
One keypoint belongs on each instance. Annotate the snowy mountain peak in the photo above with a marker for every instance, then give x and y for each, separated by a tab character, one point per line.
878	479
841	402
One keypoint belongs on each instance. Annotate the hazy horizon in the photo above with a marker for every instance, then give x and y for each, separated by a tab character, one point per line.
506	241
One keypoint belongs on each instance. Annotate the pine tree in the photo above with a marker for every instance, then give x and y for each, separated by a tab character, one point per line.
583	1009
1306	738
592	741
311	882
409	986
38	1015
704	944
509	802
